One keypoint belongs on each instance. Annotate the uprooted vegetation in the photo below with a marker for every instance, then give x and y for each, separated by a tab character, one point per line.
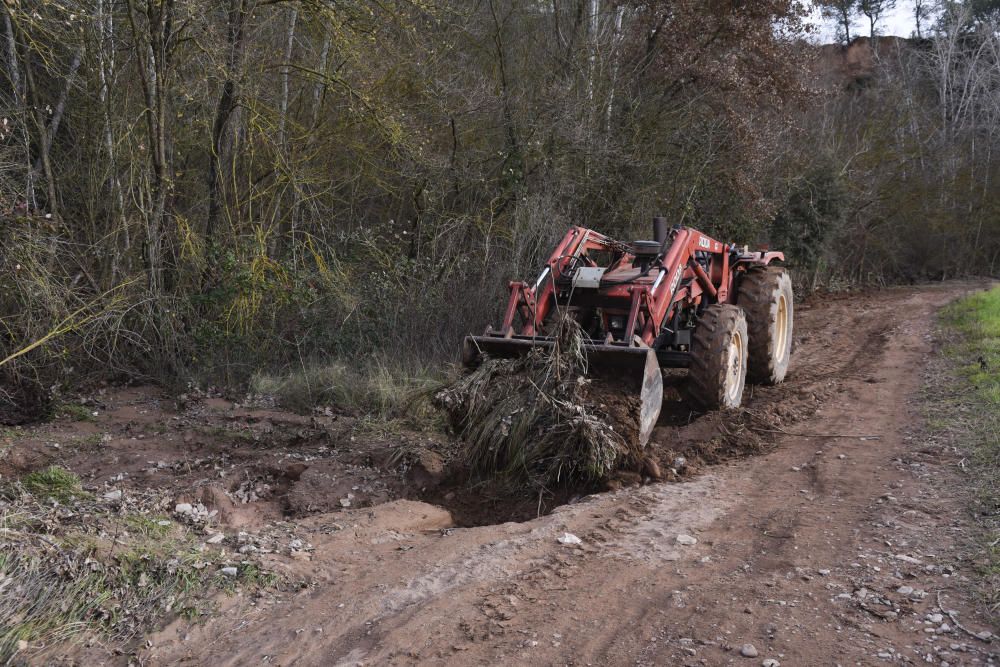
74	566
538	418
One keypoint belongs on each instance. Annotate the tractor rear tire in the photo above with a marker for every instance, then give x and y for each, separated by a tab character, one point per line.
765	294
719	353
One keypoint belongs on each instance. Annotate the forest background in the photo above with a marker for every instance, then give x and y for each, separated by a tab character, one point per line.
328	194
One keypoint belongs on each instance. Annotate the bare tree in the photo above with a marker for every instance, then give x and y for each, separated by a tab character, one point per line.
227	107
875	10
155	36
842	13
922	11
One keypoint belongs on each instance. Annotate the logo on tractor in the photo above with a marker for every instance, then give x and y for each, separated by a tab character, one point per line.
677	279
704	242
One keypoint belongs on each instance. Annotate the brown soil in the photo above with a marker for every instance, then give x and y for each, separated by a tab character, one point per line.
811	507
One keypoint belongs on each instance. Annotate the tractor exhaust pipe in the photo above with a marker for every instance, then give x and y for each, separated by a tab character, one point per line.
660	230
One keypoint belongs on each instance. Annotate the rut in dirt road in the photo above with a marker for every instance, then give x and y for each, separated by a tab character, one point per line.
824	550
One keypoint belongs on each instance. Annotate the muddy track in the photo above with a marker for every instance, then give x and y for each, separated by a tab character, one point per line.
811	509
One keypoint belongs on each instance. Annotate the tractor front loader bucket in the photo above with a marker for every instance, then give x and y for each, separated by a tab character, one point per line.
630	369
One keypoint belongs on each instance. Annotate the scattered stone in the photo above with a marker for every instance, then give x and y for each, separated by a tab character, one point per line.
985	635
823	573
183	508
908	559
935	618
944	628
748	651
770	662
686	540
228	571
216	538
113	495
569	539
905	590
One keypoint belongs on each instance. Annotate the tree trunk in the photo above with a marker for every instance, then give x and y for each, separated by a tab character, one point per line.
36	114
17	90
226	107
293	14
57	113
105	62
513	157
616	36
319	88
153	72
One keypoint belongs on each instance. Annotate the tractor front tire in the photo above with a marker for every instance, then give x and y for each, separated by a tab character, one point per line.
765	294
719	351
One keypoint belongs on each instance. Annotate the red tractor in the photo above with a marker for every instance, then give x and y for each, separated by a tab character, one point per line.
681	300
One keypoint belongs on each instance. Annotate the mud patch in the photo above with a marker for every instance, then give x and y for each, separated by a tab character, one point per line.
329	486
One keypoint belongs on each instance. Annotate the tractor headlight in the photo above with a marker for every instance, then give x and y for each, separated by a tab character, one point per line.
616	322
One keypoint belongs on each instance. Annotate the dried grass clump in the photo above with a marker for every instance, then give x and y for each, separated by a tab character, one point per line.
538	418
369	386
73	565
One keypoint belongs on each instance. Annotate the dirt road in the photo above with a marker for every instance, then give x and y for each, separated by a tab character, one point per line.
827	529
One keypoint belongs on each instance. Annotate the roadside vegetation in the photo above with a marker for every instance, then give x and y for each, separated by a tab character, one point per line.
375	388
968	412
76	565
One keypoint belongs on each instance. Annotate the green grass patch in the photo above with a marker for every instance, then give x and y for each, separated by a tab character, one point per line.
970	413
75	412
55	483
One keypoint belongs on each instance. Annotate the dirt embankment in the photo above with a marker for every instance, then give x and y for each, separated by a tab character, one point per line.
815	525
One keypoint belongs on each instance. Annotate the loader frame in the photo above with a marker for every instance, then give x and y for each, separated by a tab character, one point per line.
655	294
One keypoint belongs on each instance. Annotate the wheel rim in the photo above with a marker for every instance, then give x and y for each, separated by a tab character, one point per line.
734	368
781	323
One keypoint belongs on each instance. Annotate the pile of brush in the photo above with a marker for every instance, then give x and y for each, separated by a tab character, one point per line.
539	418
